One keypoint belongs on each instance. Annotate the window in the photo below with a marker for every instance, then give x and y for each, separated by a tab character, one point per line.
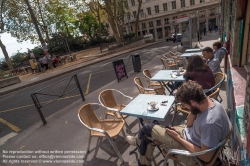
133	2
182	3
143	25
201	1
166	21
150	23
131	28
134	14
165	7
149	10
157	9
192	2
173	5
141	13
158	22
212	12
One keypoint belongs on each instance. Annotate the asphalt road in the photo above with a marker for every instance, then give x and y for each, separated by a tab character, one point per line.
17	108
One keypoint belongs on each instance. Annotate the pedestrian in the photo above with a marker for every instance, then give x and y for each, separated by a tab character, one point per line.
210	29
205	31
207	125
45	62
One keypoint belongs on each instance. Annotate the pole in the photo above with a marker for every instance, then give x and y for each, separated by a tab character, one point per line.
79	87
33	17
38	109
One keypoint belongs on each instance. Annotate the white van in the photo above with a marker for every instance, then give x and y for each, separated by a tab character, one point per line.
149	38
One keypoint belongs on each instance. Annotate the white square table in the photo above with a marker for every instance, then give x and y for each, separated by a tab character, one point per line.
193	50
137	107
166	75
189	54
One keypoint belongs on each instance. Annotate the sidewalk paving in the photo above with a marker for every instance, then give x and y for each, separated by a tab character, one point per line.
64	132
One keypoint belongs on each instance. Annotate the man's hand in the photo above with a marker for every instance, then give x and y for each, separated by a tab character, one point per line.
172	132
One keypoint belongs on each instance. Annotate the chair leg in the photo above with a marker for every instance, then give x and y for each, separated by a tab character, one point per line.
115	148
89	143
124	135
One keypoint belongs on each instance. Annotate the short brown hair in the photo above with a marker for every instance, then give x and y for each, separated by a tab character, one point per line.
208	49
217	44
190	90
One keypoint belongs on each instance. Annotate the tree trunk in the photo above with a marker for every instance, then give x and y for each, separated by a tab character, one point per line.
44	24
5	53
137	18
114	28
36	26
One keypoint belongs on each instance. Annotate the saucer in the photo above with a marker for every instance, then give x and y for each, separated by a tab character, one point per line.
153	109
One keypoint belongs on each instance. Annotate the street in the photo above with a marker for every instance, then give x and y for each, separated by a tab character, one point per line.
17	111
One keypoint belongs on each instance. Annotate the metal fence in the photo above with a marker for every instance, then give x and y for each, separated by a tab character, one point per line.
38	104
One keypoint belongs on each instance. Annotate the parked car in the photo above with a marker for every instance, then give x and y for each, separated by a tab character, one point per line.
170	37
178	38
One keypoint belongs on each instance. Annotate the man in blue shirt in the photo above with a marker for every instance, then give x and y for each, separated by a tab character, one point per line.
211	60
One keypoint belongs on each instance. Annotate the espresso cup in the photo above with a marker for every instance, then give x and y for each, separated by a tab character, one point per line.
153	104
178	72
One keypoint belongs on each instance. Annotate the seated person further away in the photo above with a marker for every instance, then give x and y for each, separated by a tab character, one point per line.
200	72
211	60
219	51
207	125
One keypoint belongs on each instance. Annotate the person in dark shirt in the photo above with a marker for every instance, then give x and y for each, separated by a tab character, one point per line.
200	72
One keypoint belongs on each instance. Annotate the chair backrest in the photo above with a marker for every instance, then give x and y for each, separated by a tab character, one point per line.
147	74
217	153
139	85
215	94
162	61
219	78
108	99
171	53
88	116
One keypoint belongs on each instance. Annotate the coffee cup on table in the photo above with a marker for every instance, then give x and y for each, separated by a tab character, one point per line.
153	104
178	72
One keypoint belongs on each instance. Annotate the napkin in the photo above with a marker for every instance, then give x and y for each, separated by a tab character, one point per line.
173	76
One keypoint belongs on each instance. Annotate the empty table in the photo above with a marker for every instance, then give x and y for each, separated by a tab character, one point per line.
188	54
138	107
167	75
193	50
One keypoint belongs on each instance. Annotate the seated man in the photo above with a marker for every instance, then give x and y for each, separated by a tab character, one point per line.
207	125
211	60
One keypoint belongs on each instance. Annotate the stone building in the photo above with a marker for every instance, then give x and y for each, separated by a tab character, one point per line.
236	37
157	17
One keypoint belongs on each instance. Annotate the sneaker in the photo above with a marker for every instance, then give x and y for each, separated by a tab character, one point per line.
131	140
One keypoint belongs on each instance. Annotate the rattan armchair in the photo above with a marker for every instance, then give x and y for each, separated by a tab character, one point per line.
219	79
142	90
148	76
218	150
168	63
109	128
107	100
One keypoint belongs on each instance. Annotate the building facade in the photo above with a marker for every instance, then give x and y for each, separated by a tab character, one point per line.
157	17
236	37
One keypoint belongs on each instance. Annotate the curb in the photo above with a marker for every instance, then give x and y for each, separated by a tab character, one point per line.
74	69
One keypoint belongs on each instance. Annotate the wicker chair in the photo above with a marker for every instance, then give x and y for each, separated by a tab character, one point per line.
142	90
107	100
218	150
180	108
148	76
109	128
219	79
167	63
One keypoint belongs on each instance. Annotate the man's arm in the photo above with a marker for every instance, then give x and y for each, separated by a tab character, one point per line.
191	147
190	119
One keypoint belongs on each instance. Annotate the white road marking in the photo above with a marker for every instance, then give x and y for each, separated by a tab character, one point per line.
7	137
